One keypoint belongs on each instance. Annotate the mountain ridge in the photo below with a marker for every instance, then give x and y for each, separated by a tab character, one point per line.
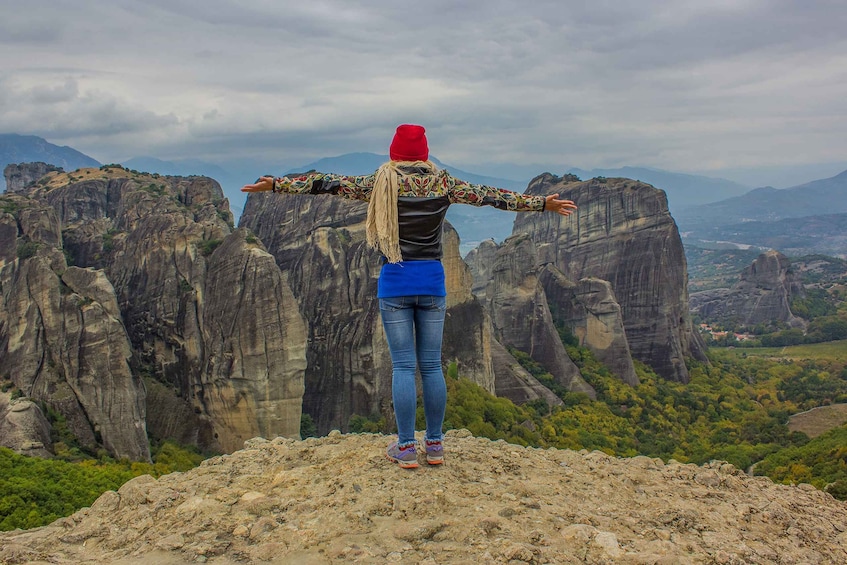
804	219
817	197
683	189
16	148
478	224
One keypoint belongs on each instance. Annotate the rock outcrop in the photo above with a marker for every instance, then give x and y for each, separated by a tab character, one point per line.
762	295
319	242
623	234
161	289
336	499
521	318
481	260
61	336
23	427
18	176
592	313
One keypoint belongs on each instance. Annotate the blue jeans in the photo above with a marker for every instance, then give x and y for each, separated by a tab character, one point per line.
414	326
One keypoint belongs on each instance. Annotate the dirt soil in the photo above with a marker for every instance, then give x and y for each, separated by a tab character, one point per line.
338	500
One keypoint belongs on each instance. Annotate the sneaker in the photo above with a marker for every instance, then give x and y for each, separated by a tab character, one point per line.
406	456
434	452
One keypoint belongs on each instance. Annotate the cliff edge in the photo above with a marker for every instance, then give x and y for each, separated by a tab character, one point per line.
337	499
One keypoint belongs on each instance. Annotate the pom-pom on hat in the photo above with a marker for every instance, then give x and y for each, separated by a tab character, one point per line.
409	144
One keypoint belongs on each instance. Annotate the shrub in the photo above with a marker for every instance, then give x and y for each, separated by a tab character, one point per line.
27	249
374	423
9	207
838	489
307	426
208	246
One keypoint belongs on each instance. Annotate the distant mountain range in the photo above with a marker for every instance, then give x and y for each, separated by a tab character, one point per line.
16	148
706	209
809	218
825	196
682	190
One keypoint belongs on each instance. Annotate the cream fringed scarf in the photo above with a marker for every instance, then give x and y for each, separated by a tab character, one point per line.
382	227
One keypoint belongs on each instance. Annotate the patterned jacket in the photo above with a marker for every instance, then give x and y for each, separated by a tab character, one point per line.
423	198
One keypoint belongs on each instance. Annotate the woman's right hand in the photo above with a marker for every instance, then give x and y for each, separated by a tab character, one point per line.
563	207
262	184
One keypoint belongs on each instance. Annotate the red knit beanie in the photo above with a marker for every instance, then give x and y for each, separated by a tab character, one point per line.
409	144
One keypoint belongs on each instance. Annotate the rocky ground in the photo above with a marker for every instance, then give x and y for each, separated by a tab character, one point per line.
337	499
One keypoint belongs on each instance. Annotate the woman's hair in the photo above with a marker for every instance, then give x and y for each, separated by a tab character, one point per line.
382	227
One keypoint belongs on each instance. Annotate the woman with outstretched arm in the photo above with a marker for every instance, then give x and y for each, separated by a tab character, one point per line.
408	198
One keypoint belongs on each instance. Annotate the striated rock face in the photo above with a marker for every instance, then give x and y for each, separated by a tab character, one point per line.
337	500
61	338
520	314
319	242
63	343
514	382
623	233
589	308
255	345
18	176
762	295
480	260
23	427
178	299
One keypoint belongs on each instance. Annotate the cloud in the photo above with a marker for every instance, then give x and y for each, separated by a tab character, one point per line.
59	109
682	85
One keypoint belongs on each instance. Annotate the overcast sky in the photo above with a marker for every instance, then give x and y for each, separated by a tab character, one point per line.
696	86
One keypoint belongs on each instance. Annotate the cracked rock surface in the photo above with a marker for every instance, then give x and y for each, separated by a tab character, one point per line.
337	499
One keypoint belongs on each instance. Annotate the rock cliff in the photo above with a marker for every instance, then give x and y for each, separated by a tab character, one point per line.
23	427
762	295
336	499
521	317
592	313
61	337
319	242
18	176
623	234
480	260
161	289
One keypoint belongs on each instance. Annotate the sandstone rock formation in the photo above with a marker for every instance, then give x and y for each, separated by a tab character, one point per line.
319	242
210	335
592	313
520	314
336	499
762	295
18	176
514	382
480	260
61	337
623	234
200	312
23	427
588	309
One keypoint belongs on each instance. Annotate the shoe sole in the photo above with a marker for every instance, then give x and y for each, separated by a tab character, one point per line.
403	464
435	460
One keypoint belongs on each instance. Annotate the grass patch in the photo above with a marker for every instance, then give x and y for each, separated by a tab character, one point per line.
818	420
827	351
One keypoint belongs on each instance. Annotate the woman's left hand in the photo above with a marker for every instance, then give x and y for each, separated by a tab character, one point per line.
263	184
563	207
